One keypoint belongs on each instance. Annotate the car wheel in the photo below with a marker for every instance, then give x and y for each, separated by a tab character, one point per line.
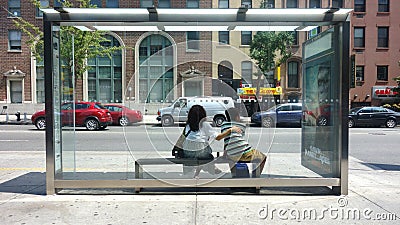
218	120
167	121
351	123
40	123
123	121
322	121
92	124
390	123
267	122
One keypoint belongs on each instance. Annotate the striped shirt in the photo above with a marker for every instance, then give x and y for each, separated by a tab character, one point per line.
234	143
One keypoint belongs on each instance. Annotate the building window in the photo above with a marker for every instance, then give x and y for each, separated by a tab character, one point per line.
315	4
382	73
223	4
16	91
43	4
112	3
337	3
246	3
156	81
105	75
359	37
291	4
193	38
359	73
146	3
40	82
192	4
14	6
268	4
223	37
383	6
246	38
96	3
383	37
293	75
295	38
247	72
164	3
58	3
14	40
359	5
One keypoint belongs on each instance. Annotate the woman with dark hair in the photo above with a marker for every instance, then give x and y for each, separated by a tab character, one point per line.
199	133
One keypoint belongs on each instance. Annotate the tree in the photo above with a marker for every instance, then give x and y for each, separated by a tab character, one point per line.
87	44
270	49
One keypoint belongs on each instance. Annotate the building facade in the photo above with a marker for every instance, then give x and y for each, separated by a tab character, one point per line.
156	67
376	50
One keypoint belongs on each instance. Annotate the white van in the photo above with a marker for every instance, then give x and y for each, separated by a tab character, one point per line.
215	107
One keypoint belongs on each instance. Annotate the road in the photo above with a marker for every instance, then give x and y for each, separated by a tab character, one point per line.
377	146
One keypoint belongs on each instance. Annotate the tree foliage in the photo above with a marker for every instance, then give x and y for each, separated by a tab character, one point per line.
87	44
270	49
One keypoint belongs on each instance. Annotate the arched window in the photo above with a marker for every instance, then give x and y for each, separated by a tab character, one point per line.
156	69
105	75
225	74
293	74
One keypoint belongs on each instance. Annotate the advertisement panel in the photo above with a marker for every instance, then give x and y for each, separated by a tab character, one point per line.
320	111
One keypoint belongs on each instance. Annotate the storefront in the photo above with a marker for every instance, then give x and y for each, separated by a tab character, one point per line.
326	72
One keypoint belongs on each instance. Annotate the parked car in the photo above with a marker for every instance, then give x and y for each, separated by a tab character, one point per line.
215	107
373	116
123	115
288	114
91	115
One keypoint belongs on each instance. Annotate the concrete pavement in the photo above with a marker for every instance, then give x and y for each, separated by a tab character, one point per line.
373	198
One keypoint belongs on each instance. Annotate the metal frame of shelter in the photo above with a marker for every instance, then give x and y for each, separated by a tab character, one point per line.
145	19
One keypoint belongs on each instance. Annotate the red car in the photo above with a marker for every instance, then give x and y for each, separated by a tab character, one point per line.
91	115
123	115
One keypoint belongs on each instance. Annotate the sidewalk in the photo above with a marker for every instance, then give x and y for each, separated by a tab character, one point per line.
12	119
373	198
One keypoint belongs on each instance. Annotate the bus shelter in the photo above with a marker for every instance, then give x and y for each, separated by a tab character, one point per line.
321	157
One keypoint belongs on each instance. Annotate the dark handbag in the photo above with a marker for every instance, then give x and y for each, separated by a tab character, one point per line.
177	150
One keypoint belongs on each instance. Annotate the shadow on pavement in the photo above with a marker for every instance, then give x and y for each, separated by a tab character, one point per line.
390	167
30	183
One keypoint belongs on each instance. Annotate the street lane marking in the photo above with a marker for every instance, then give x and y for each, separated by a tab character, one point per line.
12	140
22	169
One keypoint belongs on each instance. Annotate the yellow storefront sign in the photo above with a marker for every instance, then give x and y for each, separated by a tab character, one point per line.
263	91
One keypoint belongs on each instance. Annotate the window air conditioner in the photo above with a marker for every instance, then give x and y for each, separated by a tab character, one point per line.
270	6
358	78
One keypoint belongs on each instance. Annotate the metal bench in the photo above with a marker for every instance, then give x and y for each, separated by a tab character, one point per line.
188	162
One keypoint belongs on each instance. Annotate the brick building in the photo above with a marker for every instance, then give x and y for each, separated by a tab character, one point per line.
181	67
375	46
197	62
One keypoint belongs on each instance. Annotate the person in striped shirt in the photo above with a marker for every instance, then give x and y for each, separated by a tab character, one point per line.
236	148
